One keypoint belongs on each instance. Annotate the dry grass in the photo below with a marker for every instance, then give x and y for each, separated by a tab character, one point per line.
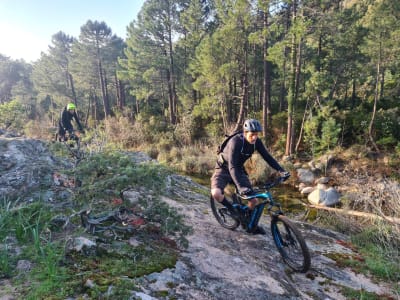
40	130
377	197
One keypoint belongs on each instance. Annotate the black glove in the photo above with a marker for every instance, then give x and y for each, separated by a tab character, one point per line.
285	175
247	192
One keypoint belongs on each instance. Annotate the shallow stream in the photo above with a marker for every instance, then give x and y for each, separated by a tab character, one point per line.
288	196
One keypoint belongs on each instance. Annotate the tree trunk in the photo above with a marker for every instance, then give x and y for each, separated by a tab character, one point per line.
88	112
356	213
266	119
103	90
376	96
53	117
292	90
120	93
245	98
172	88
170	99
71	82
301	128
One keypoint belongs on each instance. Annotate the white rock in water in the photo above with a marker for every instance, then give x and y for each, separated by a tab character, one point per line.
329	197
307	190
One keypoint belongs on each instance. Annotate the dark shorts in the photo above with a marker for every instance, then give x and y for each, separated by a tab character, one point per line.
220	179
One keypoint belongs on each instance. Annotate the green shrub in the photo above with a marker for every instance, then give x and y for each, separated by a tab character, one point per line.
6	261
12	116
380	247
321	132
106	174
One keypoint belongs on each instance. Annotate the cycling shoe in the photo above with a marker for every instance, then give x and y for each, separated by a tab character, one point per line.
257	230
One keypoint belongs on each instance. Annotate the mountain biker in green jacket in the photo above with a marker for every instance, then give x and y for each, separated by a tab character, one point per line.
230	165
65	122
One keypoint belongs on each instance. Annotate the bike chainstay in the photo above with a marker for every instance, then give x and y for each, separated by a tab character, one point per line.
243	212
251	222
248	219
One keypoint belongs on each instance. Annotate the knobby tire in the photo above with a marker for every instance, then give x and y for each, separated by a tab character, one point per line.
290	243
223	216
75	150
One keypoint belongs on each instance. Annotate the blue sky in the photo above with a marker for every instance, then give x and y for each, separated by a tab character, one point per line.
26	26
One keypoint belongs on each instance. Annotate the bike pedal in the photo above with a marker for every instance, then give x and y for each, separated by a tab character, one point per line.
223	211
257	230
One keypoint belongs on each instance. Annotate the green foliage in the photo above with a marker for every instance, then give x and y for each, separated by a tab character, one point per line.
192	58
380	247
350	293
397	149
321	131
387	127
105	175
12	116
28	223
330	133
15	81
311	127
48	278
355	126
171	221
6	261
188	131
21	220
51	75
56	275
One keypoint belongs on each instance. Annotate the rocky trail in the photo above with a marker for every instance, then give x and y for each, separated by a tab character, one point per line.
218	263
225	264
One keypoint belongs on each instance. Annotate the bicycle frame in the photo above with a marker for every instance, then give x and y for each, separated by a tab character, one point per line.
259	208
288	239
74	136
73	145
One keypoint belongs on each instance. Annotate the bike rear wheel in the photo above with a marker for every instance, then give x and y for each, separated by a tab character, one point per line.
223	216
74	147
290	243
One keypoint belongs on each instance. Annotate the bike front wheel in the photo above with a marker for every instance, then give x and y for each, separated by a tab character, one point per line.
290	243
223	216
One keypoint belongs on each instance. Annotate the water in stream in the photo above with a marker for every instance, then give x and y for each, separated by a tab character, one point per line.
289	197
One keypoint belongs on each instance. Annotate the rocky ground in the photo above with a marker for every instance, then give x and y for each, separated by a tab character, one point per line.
224	264
218	263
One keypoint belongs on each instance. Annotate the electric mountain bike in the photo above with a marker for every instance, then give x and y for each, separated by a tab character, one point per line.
72	142
288	239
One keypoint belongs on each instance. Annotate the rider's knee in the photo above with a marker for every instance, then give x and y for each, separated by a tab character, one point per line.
217	194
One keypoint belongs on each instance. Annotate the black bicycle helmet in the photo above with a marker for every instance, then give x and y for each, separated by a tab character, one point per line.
252	125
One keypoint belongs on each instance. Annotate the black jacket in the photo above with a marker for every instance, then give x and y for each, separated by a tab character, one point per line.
66	120
237	152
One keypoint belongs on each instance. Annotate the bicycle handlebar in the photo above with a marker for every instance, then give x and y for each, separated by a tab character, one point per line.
281	179
267	186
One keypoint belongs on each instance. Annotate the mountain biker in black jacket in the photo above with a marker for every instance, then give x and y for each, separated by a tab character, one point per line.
230	165
65	122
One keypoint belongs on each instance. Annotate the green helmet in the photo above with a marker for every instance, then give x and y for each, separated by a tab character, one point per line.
71	106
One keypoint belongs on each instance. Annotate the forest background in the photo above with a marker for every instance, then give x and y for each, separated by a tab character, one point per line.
320	75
